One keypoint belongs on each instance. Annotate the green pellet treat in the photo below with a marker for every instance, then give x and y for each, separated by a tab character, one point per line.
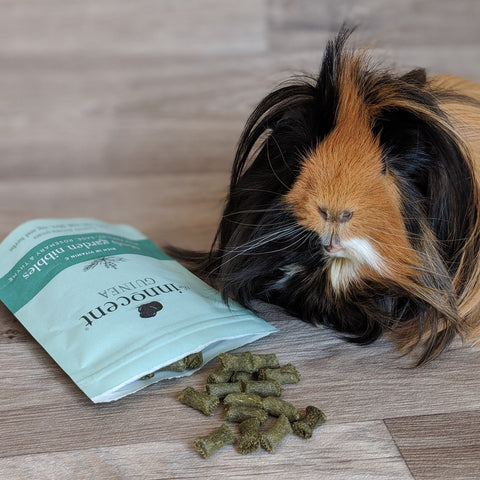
178	366
285	374
265	360
242	362
249	386
277	407
220	375
264	388
193	361
238	414
243	400
201	401
250	436
190	362
272	437
309	422
241	376
221	390
217	439
248	362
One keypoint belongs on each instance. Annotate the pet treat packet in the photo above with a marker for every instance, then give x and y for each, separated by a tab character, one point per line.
111	308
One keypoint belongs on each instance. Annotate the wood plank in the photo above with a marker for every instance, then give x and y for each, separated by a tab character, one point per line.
84	115
433	23
126	84
123	27
445	446
337	452
179	209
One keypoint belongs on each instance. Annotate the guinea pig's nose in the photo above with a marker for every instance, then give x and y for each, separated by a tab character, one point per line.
333	245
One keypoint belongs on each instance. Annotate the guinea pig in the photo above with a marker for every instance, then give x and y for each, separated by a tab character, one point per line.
354	204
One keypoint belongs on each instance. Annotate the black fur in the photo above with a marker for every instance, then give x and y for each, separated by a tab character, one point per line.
258	237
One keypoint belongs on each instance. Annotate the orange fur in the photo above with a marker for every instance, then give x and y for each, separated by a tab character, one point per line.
345	172
374	228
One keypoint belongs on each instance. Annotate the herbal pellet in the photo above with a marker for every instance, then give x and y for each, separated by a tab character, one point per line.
265	360
248	362
285	374
264	388
250	436
193	361
239	414
272	437
221	390
178	366
306	425
277	407
242	362
201	401
241	376
220	375
217	439
190	362
250	386
243	400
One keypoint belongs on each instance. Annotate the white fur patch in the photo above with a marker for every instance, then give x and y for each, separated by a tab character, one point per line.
346	264
289	271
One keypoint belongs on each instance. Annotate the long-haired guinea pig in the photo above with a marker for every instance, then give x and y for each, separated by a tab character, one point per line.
354	203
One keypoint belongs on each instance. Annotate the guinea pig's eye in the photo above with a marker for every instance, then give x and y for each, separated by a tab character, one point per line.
345	216
323	213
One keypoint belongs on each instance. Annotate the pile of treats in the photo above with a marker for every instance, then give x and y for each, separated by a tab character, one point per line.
249	386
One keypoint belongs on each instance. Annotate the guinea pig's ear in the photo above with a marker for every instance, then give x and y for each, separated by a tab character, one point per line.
290	118
417	77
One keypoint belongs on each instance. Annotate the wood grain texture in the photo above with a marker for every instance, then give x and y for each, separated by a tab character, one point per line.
334	454
91	88
453	455
130	112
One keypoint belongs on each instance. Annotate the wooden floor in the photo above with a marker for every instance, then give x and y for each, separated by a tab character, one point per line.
129	112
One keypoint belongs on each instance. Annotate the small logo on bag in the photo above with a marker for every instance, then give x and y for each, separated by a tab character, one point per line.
149	310
107	262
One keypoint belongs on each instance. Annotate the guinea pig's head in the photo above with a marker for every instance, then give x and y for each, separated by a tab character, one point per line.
352	204
347	196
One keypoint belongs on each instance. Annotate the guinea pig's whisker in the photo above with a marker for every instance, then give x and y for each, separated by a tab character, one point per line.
280	151
417	268
264	240
390	231
243	224
261	240
273	170
395	246
259	190
257	210
298	241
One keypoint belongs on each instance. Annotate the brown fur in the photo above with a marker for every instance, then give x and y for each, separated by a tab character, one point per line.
344	172
354	202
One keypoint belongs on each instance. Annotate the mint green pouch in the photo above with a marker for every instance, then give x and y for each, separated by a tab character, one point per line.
111	308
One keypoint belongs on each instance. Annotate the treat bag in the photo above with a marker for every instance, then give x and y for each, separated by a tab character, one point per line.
111	308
